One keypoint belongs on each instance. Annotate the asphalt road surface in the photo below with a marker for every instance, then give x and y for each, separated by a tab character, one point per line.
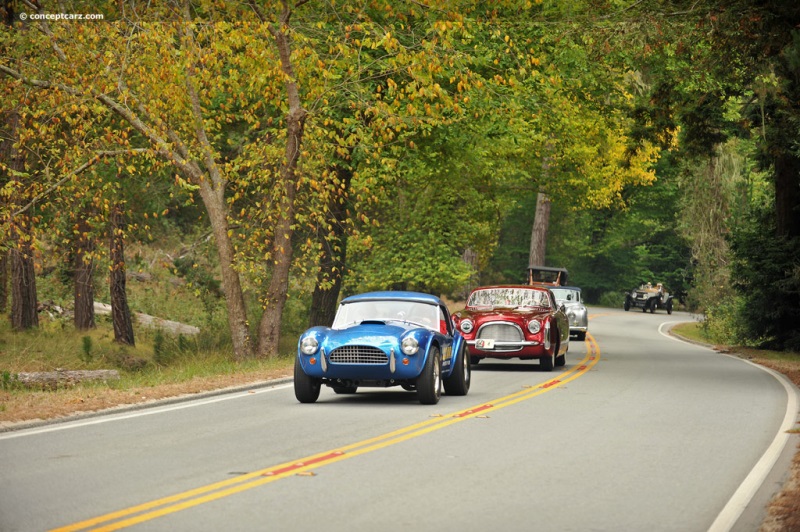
638	432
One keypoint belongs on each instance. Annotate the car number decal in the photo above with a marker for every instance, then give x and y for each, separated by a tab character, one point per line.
447	355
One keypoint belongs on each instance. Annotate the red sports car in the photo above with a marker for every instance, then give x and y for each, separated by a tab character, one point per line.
514	321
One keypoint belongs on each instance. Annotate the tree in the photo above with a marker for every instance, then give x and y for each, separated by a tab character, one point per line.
83	275
23	279
539	232
744	53
121	314
333	255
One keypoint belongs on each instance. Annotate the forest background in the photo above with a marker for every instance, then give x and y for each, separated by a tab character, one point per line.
258	160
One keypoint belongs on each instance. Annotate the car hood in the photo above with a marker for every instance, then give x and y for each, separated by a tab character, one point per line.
384	335
498	313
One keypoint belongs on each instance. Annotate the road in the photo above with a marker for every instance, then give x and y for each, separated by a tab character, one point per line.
638	432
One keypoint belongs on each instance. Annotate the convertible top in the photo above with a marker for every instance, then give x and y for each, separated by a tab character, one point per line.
394	296
547	275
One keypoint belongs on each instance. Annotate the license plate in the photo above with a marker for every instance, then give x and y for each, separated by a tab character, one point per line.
484	343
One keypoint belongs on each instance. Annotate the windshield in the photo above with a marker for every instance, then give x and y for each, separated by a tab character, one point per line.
423	314
508	297
573	296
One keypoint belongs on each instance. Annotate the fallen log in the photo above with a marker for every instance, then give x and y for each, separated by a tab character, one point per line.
51	380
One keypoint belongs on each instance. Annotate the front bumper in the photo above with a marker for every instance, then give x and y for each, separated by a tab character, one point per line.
398	367
507	349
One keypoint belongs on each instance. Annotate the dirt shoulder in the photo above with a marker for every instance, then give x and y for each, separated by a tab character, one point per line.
35	407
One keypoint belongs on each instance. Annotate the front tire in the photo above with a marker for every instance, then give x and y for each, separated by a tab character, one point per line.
627	305
653	305
669	307
306	388
459	380
560	360
548	362
429	383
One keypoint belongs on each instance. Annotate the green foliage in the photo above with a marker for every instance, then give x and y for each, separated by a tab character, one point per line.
607	251
160	355
449	120
723	322
766	272
86	353
203	283
9	381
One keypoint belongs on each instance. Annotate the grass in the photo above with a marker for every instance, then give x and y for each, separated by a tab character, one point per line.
184	366
161	364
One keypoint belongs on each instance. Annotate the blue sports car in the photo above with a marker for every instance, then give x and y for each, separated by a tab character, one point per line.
382	339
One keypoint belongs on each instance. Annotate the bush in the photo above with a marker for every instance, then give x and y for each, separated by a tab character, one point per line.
723	322
612	299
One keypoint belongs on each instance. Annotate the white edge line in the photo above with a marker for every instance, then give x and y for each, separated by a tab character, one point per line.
138	413
748	488
737	504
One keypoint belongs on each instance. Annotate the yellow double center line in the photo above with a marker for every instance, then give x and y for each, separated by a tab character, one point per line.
211	492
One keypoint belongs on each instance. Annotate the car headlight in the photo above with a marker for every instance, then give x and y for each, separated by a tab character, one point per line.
534	326
467	325
309	345
409	345
571	315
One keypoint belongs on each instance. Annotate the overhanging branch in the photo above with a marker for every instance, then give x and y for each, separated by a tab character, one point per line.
75	172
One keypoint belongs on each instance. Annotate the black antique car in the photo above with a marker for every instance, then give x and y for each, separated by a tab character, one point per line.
547	275
649	297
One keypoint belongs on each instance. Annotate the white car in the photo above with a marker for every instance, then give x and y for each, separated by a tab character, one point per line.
570	297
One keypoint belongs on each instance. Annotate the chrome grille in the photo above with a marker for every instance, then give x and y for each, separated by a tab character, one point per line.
501	332
358	354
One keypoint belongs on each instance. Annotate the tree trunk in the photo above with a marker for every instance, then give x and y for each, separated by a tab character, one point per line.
269	330
120	312
212	184
20	239
539	231
23	283
10	157
84	285
214	202
334	255
3	280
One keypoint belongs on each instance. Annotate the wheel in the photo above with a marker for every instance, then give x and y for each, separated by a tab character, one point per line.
344	390
429	383
306	388
458	382
653	305
669	307
474	360
627	305
547	362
